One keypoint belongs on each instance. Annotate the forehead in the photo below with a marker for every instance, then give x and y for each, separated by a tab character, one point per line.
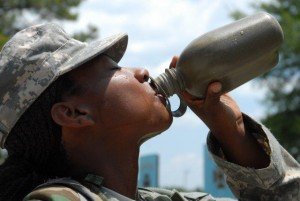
95	67
94	75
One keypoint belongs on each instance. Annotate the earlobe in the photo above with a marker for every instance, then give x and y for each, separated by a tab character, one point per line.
65	114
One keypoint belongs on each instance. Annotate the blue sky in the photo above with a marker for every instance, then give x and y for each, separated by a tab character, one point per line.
158	30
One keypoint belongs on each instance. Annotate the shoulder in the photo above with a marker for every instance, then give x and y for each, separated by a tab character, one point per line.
165	194
56	193
62	189
160	194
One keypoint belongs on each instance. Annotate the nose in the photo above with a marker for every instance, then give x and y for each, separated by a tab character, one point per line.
141	74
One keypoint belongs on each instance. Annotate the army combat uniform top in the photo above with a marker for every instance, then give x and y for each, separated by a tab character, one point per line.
279	181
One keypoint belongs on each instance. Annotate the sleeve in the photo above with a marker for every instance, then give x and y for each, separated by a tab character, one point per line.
279	181
54	194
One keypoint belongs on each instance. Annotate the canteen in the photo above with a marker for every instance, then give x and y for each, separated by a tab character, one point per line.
232	55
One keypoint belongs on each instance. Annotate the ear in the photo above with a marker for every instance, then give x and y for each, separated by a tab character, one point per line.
66	114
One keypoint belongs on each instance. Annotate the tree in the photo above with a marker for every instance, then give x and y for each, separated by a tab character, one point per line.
283	82
18	14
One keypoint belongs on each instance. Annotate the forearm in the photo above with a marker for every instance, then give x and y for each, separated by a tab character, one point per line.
223	117
239	147
279	181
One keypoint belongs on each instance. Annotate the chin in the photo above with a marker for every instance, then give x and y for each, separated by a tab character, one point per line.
163	122
159	125
169	121
164	117
150	135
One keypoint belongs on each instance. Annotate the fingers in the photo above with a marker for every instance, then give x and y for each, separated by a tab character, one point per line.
212	99
186	95
191	100
174	62
213	95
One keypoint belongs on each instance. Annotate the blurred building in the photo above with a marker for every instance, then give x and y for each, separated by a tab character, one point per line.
148	171
215	180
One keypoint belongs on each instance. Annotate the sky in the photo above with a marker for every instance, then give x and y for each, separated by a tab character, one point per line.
157	31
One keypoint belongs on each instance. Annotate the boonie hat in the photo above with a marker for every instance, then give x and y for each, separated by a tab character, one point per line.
34	58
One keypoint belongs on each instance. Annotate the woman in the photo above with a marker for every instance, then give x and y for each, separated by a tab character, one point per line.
72	121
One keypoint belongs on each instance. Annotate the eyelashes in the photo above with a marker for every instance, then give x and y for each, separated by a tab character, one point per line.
116	68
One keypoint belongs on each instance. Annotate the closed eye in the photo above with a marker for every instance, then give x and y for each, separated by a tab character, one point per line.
115	68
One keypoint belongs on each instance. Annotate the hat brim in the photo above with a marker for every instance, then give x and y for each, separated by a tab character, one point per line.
114	47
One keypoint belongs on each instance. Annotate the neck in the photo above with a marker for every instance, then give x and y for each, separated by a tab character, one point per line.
118	165
112	157
120	174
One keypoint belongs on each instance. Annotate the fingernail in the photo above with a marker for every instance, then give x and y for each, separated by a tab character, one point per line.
216	87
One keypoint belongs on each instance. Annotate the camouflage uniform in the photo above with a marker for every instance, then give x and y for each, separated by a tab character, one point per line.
38	55
280	181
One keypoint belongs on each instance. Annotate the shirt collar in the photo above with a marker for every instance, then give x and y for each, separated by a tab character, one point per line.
94	182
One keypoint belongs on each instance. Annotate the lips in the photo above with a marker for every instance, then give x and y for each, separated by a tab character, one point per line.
153	86
162	98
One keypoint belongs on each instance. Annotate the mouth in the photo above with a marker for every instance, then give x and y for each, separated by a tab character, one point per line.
160	95
153	85
162	99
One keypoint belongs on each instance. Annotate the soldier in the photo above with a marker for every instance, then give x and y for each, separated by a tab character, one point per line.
72	121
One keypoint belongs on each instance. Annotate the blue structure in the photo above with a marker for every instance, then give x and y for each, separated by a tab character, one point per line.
215	181
148	171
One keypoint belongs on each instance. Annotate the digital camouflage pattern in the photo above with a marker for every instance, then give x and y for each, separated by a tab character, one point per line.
57	190
278	182
58	193
34	57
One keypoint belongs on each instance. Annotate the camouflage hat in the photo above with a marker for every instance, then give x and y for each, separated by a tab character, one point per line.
35	57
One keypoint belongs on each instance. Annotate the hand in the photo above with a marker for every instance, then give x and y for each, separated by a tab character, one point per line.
219	112
223	117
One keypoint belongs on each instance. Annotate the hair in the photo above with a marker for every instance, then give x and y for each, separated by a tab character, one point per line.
34	145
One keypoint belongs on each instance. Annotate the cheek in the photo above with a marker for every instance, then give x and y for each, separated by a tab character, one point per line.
124	102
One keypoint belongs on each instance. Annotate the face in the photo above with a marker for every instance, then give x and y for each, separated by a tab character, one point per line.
121	100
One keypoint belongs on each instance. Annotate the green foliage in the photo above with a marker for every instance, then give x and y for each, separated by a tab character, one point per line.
91	33
283	98
11	11
46	8
237	14
287	132
17	14
3	39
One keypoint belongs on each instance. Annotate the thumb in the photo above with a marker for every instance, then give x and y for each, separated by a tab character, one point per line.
174	62
213	92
